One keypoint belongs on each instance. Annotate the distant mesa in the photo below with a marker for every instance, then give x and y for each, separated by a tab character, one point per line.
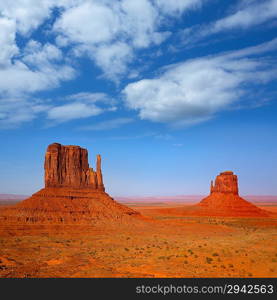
224	199
73	193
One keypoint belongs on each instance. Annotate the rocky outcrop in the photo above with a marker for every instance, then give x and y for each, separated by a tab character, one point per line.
224	199
225	182
67	166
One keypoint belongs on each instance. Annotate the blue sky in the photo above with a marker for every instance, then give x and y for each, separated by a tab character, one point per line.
169	92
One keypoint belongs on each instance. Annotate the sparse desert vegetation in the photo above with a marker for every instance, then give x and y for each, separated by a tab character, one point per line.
165	246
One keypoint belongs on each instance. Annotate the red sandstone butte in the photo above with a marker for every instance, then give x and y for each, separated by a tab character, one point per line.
67	166
73	193
224	199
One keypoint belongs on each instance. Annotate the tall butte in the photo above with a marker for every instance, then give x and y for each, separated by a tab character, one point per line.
67	166
73	193
224	199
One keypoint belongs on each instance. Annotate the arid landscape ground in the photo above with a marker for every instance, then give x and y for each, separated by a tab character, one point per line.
164	243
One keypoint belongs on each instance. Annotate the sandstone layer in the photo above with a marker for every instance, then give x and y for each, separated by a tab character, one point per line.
224	199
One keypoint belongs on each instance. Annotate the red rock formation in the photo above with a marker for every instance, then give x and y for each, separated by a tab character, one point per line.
92	178
99	176
226	183
73	193
67	166
224	199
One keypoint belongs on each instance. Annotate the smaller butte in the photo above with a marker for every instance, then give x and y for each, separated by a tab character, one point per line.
224	199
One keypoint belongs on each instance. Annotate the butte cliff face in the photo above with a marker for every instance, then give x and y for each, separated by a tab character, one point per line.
73	193
67	166
224	199
226	183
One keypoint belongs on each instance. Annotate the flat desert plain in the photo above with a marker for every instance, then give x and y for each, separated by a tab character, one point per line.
168	241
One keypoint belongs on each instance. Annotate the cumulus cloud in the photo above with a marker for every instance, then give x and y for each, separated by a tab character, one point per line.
8	46
110	32
90	22
113	59
41	56
194	91
107	32
34	67
39	69
28	14
109	124
27	68
25	71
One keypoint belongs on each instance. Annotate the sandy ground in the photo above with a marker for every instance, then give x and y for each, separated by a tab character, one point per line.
163	245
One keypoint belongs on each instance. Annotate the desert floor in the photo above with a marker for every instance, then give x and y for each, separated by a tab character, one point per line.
164	245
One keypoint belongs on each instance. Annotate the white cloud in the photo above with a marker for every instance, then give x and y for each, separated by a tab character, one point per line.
80	106
16	111
35	67
104	22
254	14
8	46
73	111
41	56
246	15
91	97
110	32
90	23
109	124
177	6
34	72
113	58
139	19
29	14
193	91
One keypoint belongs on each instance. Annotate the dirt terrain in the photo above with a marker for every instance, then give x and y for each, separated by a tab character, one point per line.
161	245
